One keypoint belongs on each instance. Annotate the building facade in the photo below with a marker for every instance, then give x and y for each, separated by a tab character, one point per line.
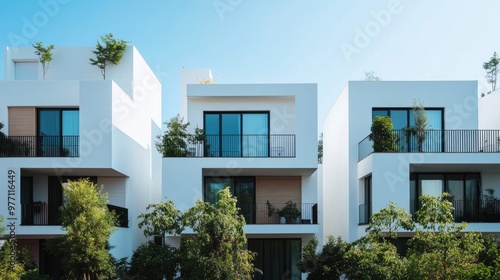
76	125
459	153
261	141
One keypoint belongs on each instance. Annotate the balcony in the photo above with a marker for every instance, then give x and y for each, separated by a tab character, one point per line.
44	214
39	146
440	141
257	214
471	211
246	145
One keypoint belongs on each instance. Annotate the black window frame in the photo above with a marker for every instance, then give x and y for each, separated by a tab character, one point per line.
414	177
240	113
234	179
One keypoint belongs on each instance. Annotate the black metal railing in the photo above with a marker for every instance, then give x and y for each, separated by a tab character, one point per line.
439	141
258	214
121	215
234	145
42	213
470	211
365	212
39	146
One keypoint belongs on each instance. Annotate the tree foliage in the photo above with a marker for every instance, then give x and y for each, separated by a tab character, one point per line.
216	250
109	52
44	55
173	142
439	249
491	68
419	129
153	261
382	135
88	224
327	264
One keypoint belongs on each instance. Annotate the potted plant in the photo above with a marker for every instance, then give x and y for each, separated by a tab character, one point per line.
382	135
44	55
289	213
419	130
110	52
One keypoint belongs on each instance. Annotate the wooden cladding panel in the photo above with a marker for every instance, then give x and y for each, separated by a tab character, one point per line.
278	190
22	121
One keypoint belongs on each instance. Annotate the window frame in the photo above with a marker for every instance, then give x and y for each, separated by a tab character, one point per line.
240	113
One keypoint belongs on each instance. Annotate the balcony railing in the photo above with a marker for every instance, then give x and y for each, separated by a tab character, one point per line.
40	213
43	214
39	146
471	211
258	214
234	145
439	141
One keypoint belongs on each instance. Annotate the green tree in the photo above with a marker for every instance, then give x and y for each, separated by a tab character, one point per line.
419	129
89	224
161	219
389	221
330	263
44	55
382	135
439	248
152	261
173	141
216	250
109	52
8	270
491	68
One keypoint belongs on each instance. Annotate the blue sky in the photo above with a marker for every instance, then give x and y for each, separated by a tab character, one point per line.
271	41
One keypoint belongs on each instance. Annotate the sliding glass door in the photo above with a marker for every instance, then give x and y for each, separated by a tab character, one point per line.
235	134
58	131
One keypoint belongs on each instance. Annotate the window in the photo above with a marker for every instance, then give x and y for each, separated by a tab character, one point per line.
464	189
243	188
235	134
365	209
276	258
58	131
403	118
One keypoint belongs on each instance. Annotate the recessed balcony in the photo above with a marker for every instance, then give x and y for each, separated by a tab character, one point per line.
233	145
437	141
39	146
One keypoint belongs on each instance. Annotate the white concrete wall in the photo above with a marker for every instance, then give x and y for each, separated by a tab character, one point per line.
335	196
119	121
349	122
190	76
489	115
302	120
72	63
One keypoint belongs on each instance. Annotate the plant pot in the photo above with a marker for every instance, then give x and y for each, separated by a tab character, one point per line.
282	220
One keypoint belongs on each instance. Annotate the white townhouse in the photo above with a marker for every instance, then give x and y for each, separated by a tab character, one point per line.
261	141
76	125
460	154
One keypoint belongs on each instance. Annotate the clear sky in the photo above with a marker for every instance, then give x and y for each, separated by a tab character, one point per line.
327	42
